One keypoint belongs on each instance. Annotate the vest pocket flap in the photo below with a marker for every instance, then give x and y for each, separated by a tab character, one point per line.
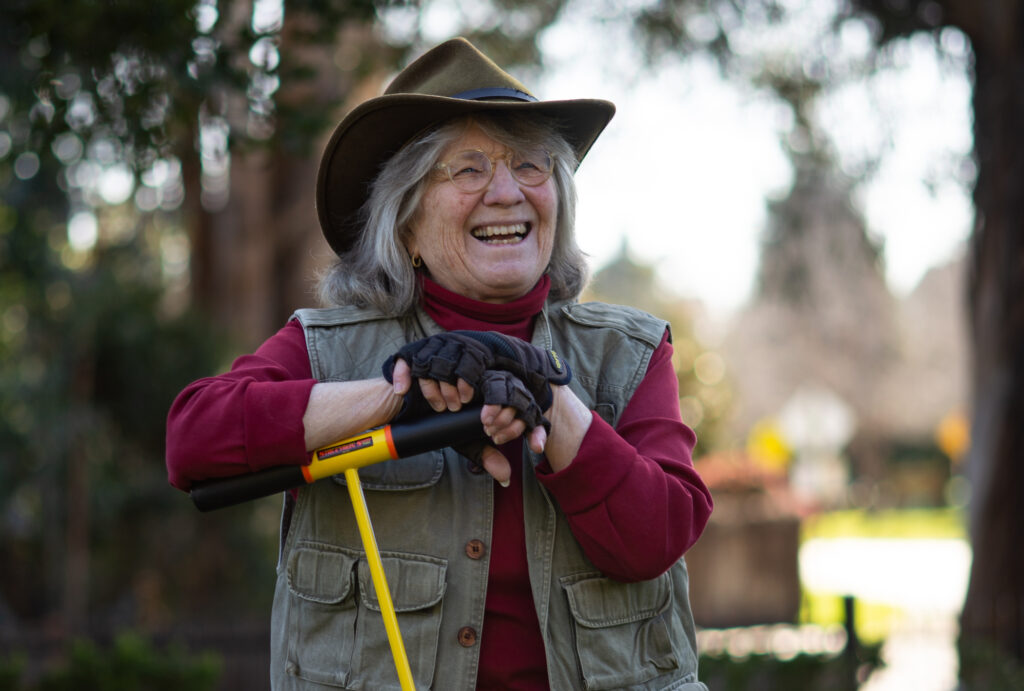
401	474
320	573
416	582
598	602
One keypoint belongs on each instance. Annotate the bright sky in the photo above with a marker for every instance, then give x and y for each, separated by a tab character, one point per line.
685	167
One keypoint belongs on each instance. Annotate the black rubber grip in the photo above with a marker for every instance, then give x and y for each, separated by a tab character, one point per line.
410	438
217	494
436	432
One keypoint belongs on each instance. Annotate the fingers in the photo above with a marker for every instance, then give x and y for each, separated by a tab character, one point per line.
401	377
466	391
538	439
497	466
501	424
444	396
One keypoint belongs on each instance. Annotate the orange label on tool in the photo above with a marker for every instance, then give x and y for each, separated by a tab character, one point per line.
341	449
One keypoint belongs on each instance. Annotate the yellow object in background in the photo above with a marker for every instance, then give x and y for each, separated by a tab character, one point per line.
953	435
767	447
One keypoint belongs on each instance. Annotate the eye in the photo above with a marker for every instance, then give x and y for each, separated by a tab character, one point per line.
465	170
532	161
468	164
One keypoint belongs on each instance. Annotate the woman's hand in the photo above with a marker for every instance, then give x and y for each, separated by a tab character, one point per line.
500	423
570	419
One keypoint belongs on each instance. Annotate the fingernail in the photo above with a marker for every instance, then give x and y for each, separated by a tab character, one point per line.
505	483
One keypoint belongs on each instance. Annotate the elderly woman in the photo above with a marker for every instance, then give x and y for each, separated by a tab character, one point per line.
553	557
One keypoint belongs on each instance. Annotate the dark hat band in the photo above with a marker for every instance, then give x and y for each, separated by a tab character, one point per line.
494	92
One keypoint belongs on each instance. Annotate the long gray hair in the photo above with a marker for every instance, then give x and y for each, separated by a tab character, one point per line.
378	271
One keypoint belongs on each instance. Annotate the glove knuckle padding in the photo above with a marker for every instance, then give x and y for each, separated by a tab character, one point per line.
504	370
445	357
505	389
535	367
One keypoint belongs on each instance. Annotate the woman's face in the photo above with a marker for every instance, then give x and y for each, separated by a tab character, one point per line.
492	245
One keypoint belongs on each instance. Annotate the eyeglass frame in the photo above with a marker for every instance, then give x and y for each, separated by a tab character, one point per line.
506	157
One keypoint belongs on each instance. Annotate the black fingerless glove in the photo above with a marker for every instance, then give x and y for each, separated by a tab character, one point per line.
503	388
445	357
468	354
534	367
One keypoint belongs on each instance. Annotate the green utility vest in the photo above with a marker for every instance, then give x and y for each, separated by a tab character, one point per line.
432	518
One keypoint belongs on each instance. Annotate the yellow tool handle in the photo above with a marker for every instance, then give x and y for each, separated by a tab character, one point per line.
380	584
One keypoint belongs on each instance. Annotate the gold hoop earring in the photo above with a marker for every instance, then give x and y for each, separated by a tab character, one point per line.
417	261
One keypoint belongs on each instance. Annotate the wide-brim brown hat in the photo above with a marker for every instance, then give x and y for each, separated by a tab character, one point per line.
451	80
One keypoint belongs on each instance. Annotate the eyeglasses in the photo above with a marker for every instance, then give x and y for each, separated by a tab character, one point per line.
472	170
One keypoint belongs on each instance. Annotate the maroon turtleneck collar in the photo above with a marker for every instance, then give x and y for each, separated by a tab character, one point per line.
453	311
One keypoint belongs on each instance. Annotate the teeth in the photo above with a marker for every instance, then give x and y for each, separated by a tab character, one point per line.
501	235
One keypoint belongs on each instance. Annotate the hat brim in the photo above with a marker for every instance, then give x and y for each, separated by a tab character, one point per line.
375	130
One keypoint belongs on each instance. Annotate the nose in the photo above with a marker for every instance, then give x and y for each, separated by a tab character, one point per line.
503	189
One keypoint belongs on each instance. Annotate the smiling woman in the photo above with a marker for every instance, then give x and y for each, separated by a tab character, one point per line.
549	557
491	244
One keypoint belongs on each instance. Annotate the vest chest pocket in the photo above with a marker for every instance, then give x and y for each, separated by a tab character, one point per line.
337	637
414	472
622	632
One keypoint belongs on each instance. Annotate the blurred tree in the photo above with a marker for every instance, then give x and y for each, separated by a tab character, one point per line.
822	313
705	394
995	299
157	167
992	612
183	95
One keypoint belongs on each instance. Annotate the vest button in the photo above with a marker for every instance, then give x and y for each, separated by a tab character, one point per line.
475	549
467	636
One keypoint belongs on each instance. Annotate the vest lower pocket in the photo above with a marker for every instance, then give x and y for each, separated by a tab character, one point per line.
622	630
336	636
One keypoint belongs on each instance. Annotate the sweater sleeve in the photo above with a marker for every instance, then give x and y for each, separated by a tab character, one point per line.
244	420
632	497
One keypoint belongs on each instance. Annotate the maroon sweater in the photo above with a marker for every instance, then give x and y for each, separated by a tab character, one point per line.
631	495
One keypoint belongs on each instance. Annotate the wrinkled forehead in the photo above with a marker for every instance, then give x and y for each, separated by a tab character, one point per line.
473	137
496	136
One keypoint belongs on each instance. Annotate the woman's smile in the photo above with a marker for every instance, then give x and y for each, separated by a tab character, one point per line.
502	234
493	244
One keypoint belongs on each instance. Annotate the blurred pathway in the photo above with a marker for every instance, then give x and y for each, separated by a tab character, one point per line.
925	579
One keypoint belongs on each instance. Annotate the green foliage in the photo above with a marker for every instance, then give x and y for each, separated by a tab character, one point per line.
91	356
946	523
95	341
705	392
12	667
117	71
130	664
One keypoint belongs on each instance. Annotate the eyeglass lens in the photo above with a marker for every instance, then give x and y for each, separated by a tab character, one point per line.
471	170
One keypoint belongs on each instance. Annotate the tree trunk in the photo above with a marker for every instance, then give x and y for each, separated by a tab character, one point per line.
256	259
993	615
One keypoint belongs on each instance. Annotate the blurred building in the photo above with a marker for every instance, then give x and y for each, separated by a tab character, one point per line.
823	318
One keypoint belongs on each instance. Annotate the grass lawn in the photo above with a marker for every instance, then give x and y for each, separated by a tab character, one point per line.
873	619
